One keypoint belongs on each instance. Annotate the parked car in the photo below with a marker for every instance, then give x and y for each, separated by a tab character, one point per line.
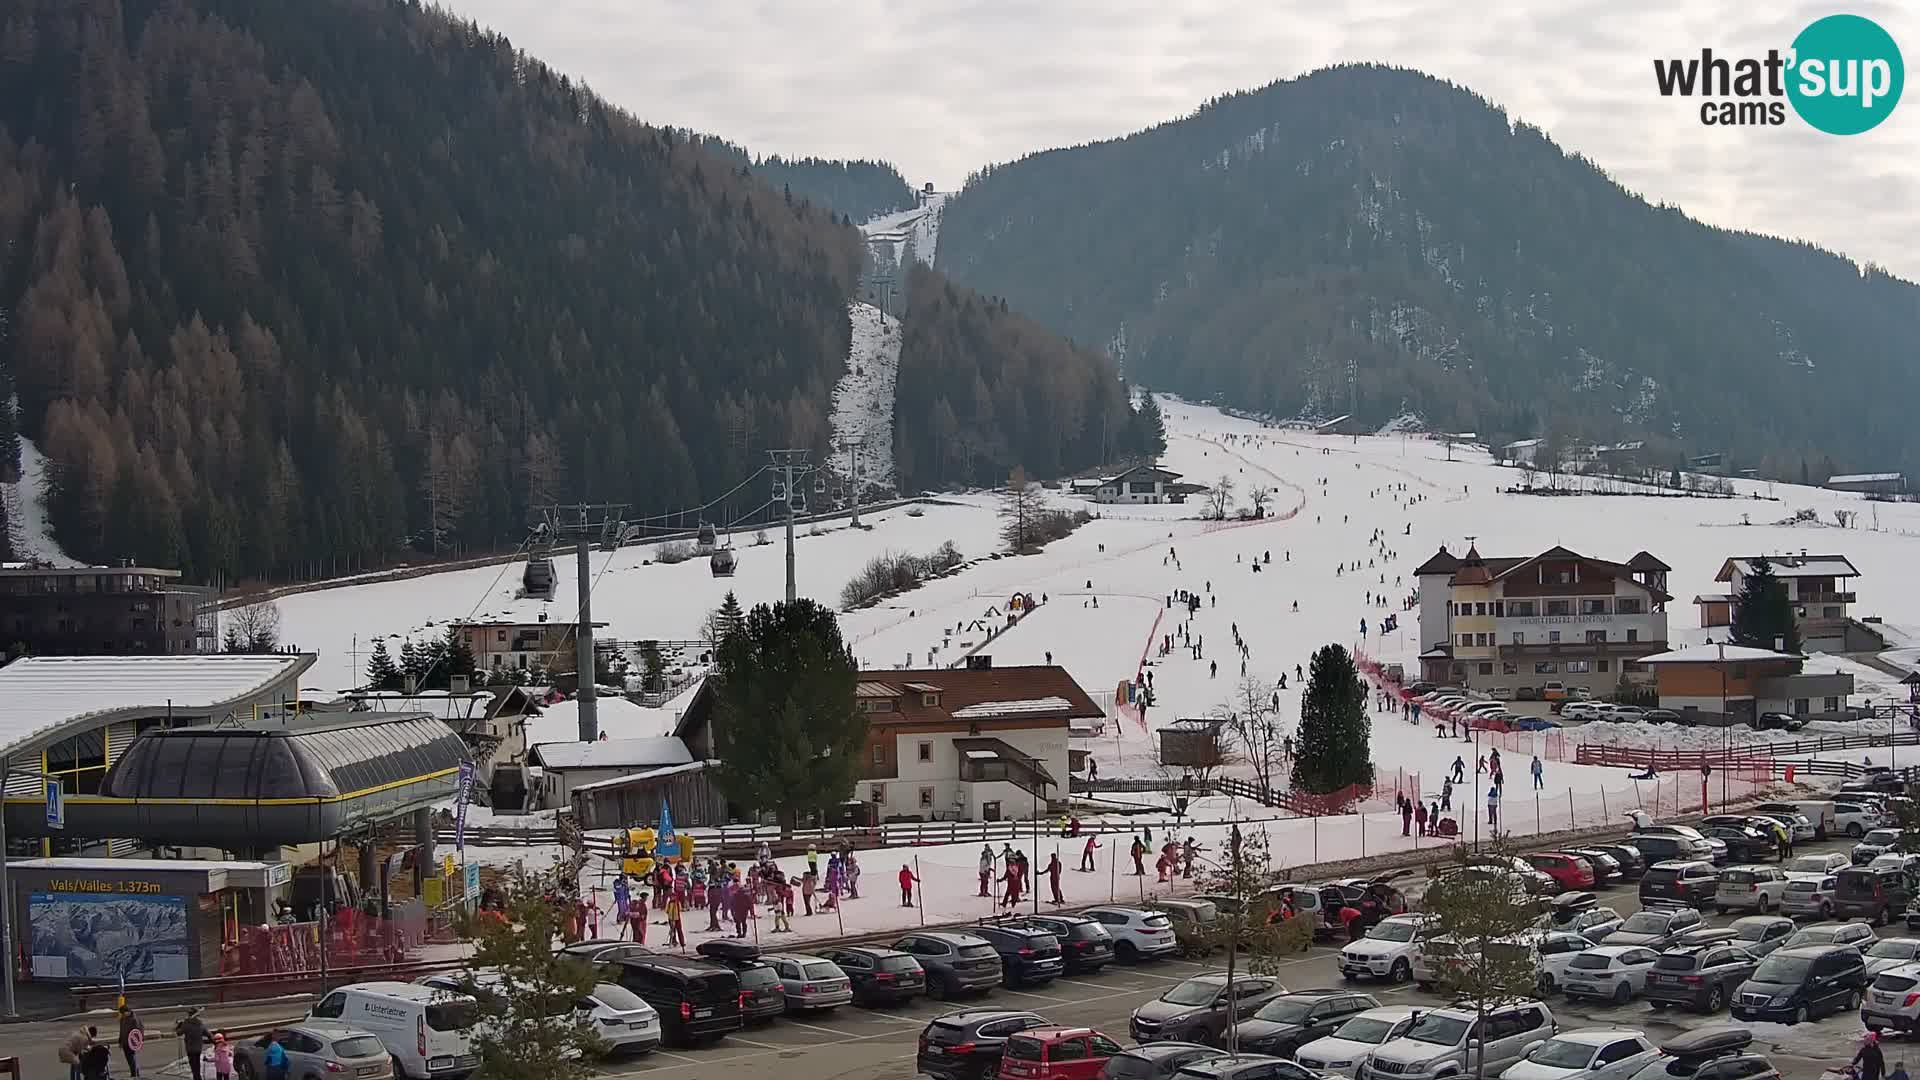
1871	892
1699	977
762	995
1567	871
1137	934
1056	1053
1587	1054
1693	881
1085	945
317	1049
1628	714
955	962
604	950
1606	868
1800	826
1633	862
1855	818
1750	888
1154	1061
1693	844
1820	865
1029	955
1744	842
1197	1009
879	975
1526	693
967	1045
1438	1043
1552	951
1893	999
622	1019
1243	1067
1667	716
1580	710
1290	1021
1654	927
1808	895
1858	936
1761	934
1886	783
1190	917
1779	721
1719	1052
1388	950
810	982
1891	952
1609	972
1355	1040
1803	982
1874	844
1538	881
1818	812
696	1000
1590	921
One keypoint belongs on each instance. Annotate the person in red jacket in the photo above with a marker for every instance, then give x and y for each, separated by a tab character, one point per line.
1086	854
906	885
1053	877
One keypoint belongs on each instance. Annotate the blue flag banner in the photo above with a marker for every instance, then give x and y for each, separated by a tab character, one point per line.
665	838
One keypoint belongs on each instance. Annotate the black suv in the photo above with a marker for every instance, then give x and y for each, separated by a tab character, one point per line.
1028	954
1863	892
955	963
1699	977
1290	1021
1692	881
697	999
1803	982
762	995
878	974
1633	862
1744	842
1085	945
1655	848
967	1045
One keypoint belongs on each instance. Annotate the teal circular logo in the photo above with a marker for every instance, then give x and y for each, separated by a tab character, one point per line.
1846	75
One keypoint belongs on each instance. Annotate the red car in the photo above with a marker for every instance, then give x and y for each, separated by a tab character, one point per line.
1056	1053
1567	871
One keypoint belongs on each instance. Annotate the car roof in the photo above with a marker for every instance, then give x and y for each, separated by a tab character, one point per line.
882	951
1050	1032
1679	864
684	965
1716	1038
1598	1036
981	1016
951	937
1391	1012
1816	949
1116	909
1164	1049
1615	950
1751	920
401	990
326	1029
796	957
1067	917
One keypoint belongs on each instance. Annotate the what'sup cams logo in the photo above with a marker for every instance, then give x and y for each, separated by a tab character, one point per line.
1843	76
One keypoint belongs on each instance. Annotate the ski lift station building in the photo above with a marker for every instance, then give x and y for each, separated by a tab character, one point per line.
201	753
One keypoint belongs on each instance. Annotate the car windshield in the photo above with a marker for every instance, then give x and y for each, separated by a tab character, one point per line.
1439	1030
822	970
899	963
1803	885
974	952
1644	922
1817	935
1782	969
618	998
1285	1011
1365	1029
1192	993
1898	948
1882	837
756	977
1673	961
1737	877
1751	931
1392	931
1560	1054
1023	1048
1592	962
1155	922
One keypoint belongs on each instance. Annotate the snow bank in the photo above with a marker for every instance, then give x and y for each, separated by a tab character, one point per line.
32	535
863	399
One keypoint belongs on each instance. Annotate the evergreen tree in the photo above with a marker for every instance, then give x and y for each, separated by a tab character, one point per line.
382	672
1763	616
1149	437
784	718
458	657
414	662
729	616
1333	743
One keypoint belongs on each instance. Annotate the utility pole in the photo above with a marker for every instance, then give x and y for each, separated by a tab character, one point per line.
853	476
790	465
584	522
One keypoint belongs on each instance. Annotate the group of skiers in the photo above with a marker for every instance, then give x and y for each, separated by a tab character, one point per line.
1011	870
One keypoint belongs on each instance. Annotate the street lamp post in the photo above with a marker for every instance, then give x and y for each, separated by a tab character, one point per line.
1726	728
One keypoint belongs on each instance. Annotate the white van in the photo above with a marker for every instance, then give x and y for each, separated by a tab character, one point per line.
427	1030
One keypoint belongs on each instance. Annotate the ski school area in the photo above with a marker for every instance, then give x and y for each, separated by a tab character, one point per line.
1161	615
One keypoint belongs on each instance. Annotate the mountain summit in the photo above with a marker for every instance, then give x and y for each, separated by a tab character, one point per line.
1376	236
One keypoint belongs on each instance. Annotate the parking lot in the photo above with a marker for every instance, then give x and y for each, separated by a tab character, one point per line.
854	1042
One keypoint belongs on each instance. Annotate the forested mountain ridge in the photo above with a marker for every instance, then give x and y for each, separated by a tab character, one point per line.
1377	222
296	285
984	389
856	190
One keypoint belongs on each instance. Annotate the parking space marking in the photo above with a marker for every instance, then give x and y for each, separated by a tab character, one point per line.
826	1031
761	1045
887	1018
1038	997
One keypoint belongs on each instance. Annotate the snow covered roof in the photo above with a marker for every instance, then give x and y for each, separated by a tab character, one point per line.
1713	654
1030	706
40	694
611	753
1864	478
1714	598
1521	444
619	719
1790	566
645	774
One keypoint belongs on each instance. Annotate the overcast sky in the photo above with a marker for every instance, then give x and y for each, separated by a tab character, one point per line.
942	87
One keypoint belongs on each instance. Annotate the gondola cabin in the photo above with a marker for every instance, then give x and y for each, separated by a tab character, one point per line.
721	562
538	579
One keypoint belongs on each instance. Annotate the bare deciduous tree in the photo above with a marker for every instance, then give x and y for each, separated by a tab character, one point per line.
1021	504
1256	728
1220	498
1260	496
254	628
